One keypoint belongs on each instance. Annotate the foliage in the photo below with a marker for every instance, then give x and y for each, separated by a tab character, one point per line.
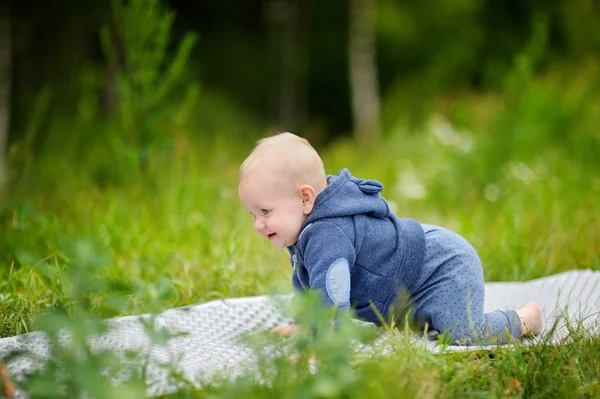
136	49
424	49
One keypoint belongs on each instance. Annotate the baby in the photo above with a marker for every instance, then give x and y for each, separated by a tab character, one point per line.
346	243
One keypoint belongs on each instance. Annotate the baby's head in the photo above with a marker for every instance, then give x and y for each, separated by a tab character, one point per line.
279	182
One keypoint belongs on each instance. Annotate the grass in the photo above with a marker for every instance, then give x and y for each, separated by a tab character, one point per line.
87	236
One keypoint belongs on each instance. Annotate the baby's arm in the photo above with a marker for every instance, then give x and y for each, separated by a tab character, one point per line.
328	256
287	330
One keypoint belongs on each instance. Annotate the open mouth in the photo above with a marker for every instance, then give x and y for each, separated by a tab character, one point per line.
270	236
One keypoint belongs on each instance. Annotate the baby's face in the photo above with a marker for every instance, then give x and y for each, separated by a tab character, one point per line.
276	207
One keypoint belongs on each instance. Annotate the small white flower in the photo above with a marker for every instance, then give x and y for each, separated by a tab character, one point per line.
410	187
444	131
449	137
522	172
491	192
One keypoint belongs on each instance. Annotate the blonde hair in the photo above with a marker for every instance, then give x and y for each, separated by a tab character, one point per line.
295	159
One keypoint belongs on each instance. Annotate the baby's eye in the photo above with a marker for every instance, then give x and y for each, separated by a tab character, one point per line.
265	211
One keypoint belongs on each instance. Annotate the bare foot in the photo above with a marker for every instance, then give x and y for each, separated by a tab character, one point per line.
531	318
286	330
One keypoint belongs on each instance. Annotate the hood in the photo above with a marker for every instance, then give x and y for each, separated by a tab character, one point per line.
346	195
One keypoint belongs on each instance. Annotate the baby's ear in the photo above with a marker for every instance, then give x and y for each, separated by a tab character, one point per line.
308	195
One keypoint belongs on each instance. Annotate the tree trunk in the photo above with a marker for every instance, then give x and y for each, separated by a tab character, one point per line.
289	22
5	66
363	72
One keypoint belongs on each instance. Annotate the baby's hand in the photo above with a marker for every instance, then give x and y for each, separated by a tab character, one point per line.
285	330
312	360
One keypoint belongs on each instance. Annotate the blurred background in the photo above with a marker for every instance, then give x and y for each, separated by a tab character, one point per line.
123	123
284	64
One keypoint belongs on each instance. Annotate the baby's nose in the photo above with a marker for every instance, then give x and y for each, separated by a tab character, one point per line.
259	225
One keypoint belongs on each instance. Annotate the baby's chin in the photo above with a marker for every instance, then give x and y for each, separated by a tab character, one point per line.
281	244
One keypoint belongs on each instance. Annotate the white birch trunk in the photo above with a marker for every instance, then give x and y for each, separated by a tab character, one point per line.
363	72
289	22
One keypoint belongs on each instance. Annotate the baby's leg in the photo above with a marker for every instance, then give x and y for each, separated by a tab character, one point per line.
455	307
450	298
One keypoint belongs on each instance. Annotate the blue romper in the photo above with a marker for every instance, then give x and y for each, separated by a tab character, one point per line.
356	251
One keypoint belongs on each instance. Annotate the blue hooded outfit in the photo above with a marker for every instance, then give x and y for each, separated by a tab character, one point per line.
356	251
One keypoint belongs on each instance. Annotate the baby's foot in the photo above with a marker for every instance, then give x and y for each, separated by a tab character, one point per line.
531	318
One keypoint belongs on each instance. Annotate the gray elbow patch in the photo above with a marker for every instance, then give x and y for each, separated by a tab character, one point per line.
337	282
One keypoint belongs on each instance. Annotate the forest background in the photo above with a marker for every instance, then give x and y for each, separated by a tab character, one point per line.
122	125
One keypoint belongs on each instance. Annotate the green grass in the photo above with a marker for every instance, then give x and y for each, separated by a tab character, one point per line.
517	175
538	371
